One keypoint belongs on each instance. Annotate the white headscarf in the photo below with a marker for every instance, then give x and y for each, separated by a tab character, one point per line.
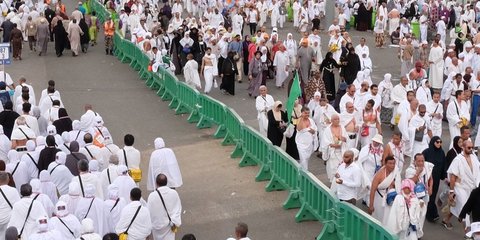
51	130
61	209
60	158
159	143
76	125
12	156
93	165
387	81
30	145
113	192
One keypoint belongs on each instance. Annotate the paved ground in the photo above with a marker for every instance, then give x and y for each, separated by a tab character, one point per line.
216	193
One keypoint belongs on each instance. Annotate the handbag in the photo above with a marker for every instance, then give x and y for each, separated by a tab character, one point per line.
174	227
419	135
124	235
365	131
135	173
289	131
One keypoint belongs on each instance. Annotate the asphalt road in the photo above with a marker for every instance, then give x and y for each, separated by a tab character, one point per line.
216	193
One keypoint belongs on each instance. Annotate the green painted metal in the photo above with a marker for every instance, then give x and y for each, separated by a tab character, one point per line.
170	90
211	112
318	202
187	102
353	223
233	125
256	150
284	170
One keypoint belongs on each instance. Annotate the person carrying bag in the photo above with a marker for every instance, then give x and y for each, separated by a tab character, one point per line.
124	235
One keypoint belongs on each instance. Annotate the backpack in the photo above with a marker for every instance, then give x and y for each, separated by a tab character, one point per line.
4	97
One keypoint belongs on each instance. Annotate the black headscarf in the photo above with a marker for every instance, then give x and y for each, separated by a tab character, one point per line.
436	155
63	123
453	152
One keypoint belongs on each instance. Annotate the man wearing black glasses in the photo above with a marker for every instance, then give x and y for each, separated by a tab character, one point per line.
464	173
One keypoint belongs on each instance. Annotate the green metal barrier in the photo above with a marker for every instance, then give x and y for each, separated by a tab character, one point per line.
170	91
233	126
284	171
353	223
118	45
256	150
160	81
318	204
211	112
187	101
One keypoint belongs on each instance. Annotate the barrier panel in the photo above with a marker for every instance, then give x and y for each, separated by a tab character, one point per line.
353	223
170	90
160	81
233	136
256	151
211	112
284	170
318	203
187	102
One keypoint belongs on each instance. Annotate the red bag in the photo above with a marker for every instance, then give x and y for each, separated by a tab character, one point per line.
365	131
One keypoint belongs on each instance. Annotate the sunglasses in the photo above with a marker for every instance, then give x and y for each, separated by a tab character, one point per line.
438	141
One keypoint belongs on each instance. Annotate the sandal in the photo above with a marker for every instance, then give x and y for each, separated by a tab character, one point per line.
448	226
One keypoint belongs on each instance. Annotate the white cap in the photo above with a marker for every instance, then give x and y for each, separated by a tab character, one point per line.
378	138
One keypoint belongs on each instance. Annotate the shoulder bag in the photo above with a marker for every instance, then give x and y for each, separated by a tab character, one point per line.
124	235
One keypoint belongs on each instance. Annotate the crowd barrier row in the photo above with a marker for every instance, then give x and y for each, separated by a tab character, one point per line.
314	200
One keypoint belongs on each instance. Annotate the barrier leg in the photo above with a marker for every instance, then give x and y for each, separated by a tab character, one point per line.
161	90
293	200
329	232
125	59
264	174
237	152
274	185
194	117
247	160
228	140
305	214
221	131
174	103
181	109
166	96
204	123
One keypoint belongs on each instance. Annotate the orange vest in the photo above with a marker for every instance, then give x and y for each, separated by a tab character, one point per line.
109	28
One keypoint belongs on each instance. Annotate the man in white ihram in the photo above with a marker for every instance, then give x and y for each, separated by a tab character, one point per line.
125	182
21	211
347	179
129	155
165	209
92	207
135	219
464	174
163	160
85	178
8	199
306	132
264	103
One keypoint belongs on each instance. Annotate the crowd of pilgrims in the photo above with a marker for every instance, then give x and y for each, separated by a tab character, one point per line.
66	179
404	179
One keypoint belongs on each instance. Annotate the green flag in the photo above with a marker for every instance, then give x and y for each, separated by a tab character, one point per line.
295	92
